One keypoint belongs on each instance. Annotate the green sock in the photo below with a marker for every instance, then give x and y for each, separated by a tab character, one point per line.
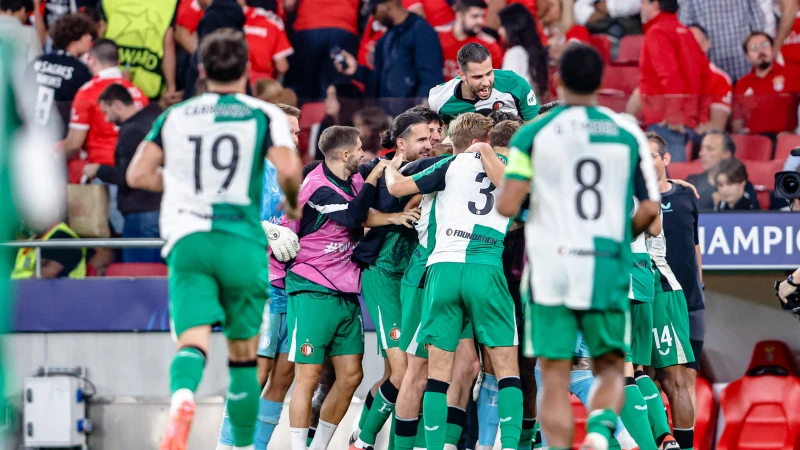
634	416
243	396
655	406
537	436
435	413
365	411
456	418
421	442
405	433
187	369
310	438
526	435
382	407
603	422
392	428
613	444
509	408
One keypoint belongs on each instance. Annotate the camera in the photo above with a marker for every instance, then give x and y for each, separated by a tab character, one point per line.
787	185
792	301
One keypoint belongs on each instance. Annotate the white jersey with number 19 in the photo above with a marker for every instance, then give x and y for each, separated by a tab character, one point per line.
214	148
585	165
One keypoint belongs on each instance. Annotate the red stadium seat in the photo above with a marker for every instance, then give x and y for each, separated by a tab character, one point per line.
762	175
786	143
581	416
620	79
602	44
762	409
630	47
311	114
681	170
752	147
136	270
705	422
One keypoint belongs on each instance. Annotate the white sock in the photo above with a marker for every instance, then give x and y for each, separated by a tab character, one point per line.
221	446
450	447
323	435
179	397
299	436
625	440
249	447
360	444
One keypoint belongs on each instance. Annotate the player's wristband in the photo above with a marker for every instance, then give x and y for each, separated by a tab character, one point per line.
790	281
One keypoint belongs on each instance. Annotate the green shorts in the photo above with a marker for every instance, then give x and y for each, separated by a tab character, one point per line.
551	331
217	278
323	324
413	300
641	347
381	291
671	330
457	293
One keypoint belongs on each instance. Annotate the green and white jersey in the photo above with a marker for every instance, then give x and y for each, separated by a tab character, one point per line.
214	148
657	245
510	93
591	164
468	228
427	240
641	286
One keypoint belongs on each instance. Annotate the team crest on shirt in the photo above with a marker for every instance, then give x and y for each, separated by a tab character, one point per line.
497	105
264	341
778	83
749	92
307	349
395	334
449	232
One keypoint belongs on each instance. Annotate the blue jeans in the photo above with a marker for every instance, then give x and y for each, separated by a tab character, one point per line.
141	225
311	68
115	218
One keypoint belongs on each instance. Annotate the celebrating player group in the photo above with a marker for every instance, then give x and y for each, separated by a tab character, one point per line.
493	221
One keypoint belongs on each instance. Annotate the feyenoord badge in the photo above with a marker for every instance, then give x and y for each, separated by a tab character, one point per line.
395	334
307	349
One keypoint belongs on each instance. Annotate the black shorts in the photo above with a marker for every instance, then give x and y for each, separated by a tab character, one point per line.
697	349
513	264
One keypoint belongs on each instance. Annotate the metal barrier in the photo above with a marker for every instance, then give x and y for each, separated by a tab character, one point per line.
39	244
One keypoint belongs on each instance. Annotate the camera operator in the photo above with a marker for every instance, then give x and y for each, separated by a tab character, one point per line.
789	286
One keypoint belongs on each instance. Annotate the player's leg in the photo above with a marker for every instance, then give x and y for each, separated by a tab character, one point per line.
527	367
465	368
194	303
441	316
491	310
274	394
672	351
488	417
326	380
346	352
409	401
387	372
697	332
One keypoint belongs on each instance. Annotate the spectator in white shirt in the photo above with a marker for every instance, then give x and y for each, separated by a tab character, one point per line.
13	17
525	54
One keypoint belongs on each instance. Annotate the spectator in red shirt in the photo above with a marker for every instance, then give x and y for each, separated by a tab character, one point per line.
267	43
322	28
467	28
366	50
88	127
763	99
721	88
189	14
791	48
674	73
436	12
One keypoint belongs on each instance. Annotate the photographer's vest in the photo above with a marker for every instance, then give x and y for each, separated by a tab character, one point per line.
25	265
138	28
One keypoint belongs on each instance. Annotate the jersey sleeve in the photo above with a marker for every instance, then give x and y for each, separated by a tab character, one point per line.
154	135
528	103
350	213
280	132
283	48
645	172
433	178
81	115
520	164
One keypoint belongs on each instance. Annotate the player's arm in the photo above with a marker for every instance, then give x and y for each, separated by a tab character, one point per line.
407	218
429	180
74	141
494	166
655	228
79	123
518	174
349	213
527	103
788	15
645	187
145	171
186	38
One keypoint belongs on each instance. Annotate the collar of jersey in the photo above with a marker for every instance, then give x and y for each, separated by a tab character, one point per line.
343	184
110	72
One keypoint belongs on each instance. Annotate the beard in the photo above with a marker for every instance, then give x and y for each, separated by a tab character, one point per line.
352	165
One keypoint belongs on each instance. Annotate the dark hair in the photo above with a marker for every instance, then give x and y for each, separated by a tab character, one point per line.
501	134
105	51
581	69
464	5
428	114
335	138
472	53
728	143
16	5
754	34
310	166
518	22
115	91
223	55
400	127
660	142
289	110
667	6
500	116
70	28
548	106
699	27
733	169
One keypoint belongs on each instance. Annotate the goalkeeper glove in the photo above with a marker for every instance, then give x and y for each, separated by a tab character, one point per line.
282	241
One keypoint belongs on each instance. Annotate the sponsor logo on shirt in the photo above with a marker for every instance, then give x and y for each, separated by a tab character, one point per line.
470	236
337	247
666	207
257	31
586	252
531	98
232	217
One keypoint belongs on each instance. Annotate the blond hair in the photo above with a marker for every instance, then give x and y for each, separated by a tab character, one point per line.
469	127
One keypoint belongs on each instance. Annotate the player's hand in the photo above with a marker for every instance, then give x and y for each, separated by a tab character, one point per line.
377	172
406	218
283	242
398	159
90	170
785	290
350	60
686	185
172	96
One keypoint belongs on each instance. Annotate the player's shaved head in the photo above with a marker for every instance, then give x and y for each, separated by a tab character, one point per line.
223	55
581	69
336	139
105	51
469	127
